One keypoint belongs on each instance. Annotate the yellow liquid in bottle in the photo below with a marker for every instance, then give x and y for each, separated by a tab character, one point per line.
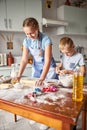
77	88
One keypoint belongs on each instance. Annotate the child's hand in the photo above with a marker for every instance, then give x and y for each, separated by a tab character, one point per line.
62	72
57	70
15	80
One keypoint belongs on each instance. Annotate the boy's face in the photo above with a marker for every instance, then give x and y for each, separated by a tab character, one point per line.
68	51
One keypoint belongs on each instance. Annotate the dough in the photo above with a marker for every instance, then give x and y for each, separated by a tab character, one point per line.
28	82
5	85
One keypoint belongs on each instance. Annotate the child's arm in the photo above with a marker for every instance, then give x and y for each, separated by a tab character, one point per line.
58	68
62	72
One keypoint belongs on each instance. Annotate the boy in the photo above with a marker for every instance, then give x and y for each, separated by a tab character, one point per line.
71	60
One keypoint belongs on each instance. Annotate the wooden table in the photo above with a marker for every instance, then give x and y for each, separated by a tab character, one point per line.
59	113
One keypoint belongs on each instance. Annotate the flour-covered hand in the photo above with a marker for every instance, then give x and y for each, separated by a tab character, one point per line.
39	82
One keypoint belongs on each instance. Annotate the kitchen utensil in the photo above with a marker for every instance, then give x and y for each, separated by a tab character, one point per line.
66	80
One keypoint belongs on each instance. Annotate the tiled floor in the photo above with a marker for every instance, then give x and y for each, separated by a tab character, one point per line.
7	123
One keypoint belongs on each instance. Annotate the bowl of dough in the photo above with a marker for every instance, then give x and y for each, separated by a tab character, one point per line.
66	80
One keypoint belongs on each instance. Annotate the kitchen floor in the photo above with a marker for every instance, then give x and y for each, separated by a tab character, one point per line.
7	123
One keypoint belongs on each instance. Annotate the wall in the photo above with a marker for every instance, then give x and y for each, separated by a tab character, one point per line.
17	42
48	13
61	2
78	40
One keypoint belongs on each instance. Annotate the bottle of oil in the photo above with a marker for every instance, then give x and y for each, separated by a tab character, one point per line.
77	94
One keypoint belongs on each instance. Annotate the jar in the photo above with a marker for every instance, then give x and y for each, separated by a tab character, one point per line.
10	59
77	94
14	70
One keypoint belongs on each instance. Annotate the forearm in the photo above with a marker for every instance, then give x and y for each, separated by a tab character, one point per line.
45	71
66	72
83	70
58	68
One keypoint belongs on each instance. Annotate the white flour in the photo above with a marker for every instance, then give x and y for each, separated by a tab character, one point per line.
17	95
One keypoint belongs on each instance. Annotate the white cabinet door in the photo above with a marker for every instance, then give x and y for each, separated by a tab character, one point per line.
15	14
3	20
12	14
76	17
33	8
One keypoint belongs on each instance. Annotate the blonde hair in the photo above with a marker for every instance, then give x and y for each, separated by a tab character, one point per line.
66	42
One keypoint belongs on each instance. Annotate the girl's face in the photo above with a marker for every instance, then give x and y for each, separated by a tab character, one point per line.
68	51
31	32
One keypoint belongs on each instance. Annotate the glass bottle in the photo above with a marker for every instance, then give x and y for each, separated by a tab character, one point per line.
10	59
77	94
14	70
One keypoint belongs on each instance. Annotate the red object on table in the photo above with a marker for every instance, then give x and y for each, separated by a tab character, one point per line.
49	89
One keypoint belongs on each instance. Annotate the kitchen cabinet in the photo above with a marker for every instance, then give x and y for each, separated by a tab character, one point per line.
13	12
54	23
33	8
76	17
11	15
2	15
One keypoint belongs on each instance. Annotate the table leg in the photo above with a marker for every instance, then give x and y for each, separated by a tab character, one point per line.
66	126
15	117
74	128
84	117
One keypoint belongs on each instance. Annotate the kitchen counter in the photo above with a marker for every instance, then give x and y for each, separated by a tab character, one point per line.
6	70
10	67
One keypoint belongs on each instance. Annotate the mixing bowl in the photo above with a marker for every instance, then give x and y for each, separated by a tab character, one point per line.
66	80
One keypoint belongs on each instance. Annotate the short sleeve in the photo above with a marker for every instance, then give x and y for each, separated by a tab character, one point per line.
46	41
26	43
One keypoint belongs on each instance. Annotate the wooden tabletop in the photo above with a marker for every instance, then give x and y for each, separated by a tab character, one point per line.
53	106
